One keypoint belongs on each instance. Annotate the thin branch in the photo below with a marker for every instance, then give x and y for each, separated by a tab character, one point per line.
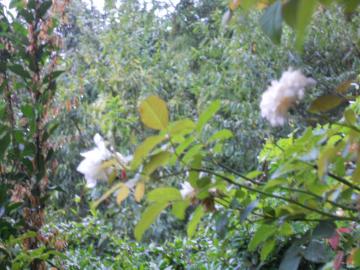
274	195
289	189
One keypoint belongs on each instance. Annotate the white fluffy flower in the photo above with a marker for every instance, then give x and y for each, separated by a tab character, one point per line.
187	191
91	166
283	94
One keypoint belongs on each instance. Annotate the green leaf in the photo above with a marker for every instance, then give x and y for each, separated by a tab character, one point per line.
350	5
166	194
181	127
144	149
4	143
267	248
286	229
356	257
19	70
261	235
179	209
343	87
195	220
44	7
316	252
350	116
27	15
123	193
193	174
271	22
139	191
156	161
208	114
154	113
290	10
274	183
28	111
325	103
52	76
304	14
292	258
181	148
221	135
17	4
324	229
114	188
193	151
356	173
148	217
248	210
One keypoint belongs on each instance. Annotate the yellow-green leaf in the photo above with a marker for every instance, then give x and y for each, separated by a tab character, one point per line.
208	114
350	116
139	191
261	235
195	219
267	248
221	135
181	127
343	87
193	151
181	148
123	194
304	14
148	217
144	149
156	161
154	113
325	103
179	208
165	194
106	195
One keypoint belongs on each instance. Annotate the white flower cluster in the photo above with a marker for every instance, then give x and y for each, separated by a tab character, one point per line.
92	165
283	94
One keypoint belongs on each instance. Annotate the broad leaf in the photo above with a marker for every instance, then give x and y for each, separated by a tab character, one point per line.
208	114
144	149
304	14
194	221
325	103
155	162
166	194
271	21
324	229
181	127
139	191
19	70
193	151
248	210
179	209
221	135
316	252
292	258
44	7
122	194
261	235
154	113
4	143
148	217
268	246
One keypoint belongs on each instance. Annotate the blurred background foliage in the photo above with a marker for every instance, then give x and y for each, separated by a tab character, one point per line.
188	58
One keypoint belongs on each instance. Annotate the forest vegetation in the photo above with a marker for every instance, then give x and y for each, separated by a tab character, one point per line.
190	134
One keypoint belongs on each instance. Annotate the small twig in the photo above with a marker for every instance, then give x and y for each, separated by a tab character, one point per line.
274	195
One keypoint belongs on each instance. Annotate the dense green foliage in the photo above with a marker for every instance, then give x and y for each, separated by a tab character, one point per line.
180	93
